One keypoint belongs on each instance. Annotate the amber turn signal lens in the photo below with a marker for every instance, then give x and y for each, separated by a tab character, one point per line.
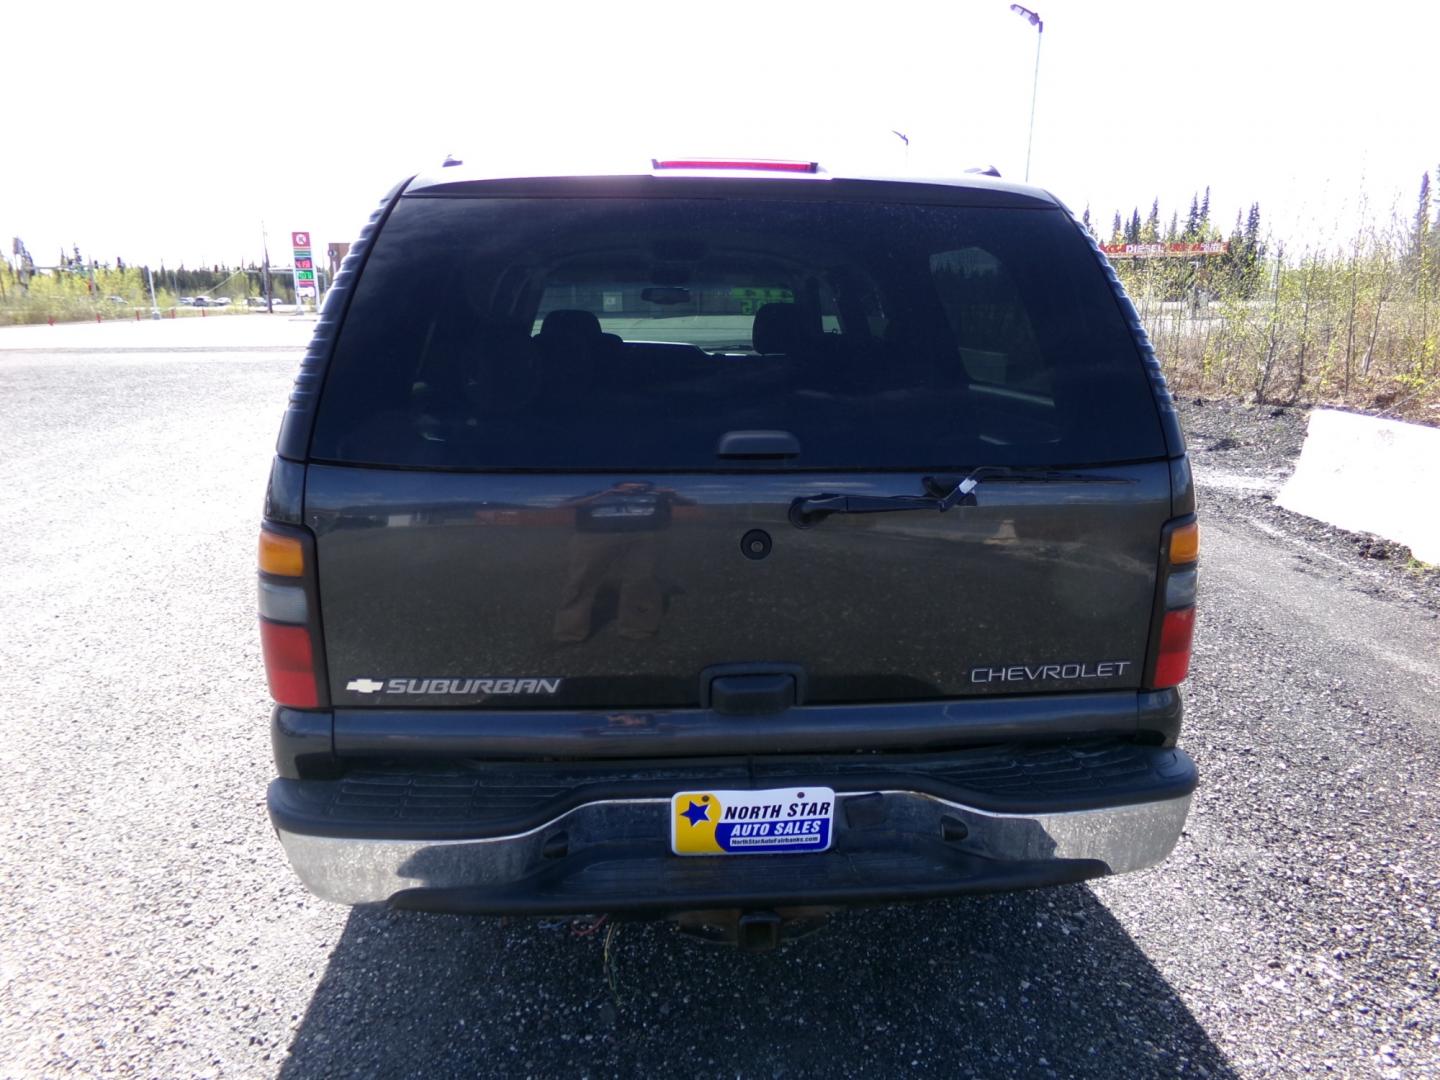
281	555
1185	544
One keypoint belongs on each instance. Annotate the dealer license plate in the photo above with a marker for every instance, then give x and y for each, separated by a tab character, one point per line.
774	822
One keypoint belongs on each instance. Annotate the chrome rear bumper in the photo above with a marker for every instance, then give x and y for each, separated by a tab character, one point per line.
614	855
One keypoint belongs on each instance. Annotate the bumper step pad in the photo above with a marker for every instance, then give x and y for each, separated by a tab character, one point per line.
498	799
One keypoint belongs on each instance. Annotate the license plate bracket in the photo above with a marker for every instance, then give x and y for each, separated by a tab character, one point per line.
773	821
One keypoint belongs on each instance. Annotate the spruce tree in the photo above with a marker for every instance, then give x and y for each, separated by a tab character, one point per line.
1233	261
1205	211
1252	252
1252	227
1422	216
1432	254
1151	232
1192	219
1117	231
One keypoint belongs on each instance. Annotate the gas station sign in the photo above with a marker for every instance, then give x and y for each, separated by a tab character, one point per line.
304	262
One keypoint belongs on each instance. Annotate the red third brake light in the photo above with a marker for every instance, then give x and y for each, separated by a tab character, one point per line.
1176	633
289	664
756	165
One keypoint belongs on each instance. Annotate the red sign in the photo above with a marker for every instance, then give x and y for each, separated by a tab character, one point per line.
1166	251
304	263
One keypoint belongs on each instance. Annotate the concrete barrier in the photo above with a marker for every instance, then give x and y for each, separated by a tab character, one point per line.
1370	475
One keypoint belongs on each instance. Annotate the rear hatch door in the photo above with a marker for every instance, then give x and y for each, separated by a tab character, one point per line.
560	449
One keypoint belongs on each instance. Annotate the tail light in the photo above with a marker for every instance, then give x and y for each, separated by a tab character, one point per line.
1172	663
289	664
1178	585
744	164
281	555
288	617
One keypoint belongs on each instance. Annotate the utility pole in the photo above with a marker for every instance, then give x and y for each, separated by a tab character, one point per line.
1034	19
154	307
265	248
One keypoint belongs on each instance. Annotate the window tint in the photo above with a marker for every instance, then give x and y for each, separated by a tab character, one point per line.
630	333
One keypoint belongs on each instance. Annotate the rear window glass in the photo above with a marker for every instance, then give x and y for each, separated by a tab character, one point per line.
633	334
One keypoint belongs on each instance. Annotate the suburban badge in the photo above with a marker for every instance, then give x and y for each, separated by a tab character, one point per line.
463	686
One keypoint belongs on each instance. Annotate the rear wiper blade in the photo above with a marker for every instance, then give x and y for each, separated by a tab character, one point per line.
808	510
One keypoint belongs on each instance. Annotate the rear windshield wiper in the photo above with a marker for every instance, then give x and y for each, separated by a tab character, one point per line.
808	510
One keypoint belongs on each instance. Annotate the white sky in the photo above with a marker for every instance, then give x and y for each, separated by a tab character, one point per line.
171	131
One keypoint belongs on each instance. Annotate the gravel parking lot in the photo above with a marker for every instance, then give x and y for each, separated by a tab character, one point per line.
149	925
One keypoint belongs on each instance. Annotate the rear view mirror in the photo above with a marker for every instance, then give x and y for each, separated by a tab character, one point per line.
665	295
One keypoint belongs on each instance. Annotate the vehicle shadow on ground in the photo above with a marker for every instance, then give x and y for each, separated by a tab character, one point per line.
1027	984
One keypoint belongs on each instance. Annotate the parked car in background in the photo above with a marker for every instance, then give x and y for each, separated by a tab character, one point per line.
187	301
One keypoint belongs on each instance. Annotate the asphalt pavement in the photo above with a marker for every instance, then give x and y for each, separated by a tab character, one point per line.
150	926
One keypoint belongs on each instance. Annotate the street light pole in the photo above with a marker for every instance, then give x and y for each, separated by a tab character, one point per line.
1039	24
265	250
154	307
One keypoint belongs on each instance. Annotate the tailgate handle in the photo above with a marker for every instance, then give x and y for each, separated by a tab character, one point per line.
752	695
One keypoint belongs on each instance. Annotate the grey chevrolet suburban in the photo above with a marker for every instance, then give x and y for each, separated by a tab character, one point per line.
727	542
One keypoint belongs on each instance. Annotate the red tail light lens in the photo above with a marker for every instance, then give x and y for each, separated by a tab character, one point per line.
289	664
1176	635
